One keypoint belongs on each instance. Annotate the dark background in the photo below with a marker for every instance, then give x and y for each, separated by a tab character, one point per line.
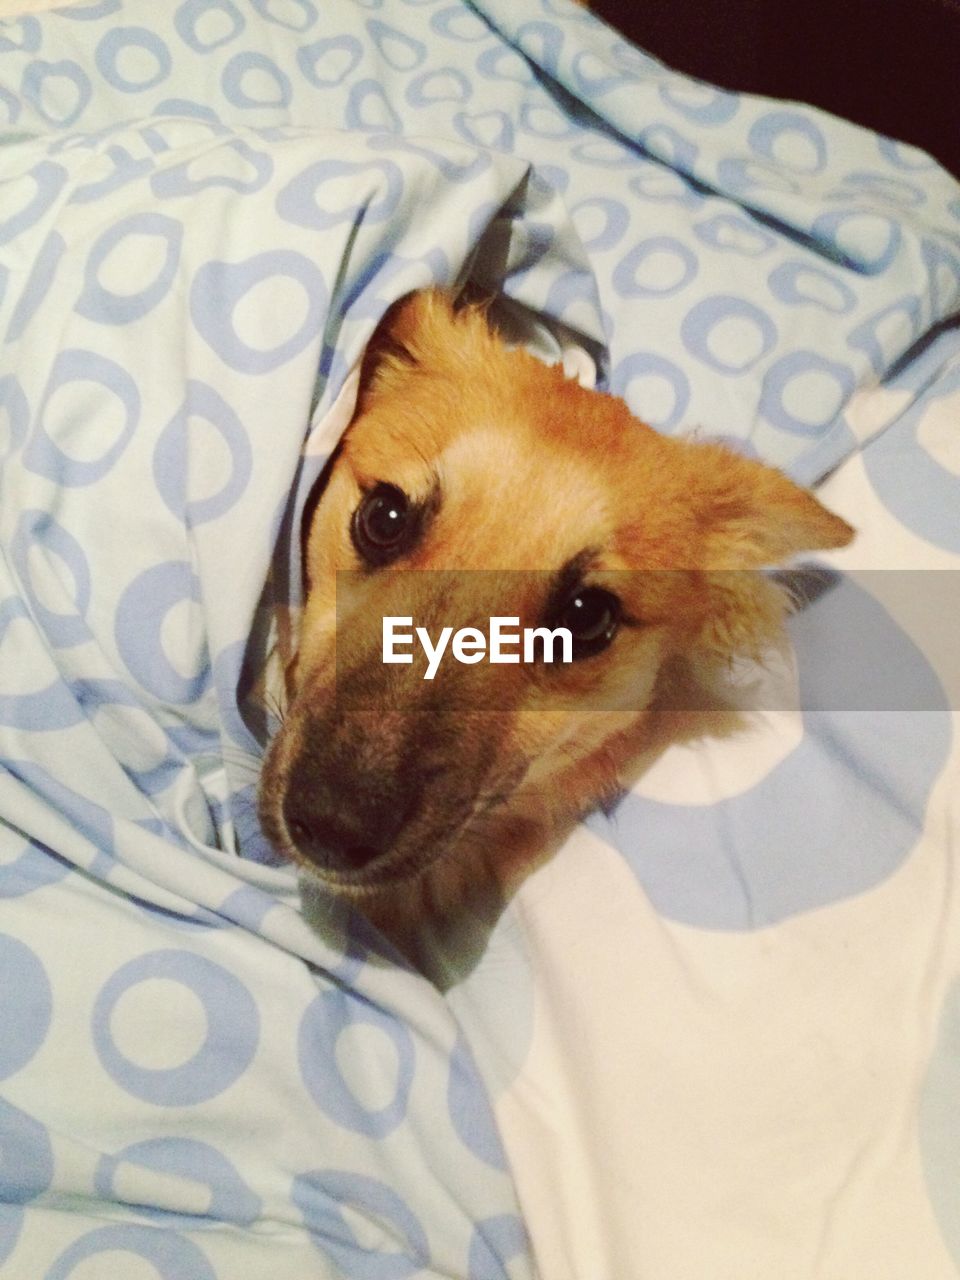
891	64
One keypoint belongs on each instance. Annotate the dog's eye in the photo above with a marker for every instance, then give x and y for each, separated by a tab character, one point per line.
383	524
592	617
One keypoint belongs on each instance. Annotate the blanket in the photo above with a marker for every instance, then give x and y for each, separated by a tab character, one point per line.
204	210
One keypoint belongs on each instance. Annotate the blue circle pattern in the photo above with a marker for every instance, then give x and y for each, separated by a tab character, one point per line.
26	1006
192	13
900	467
331	1015
244	67
327	63
446	84
45	456
627	278
706	316
496	1242
732	233
26	1156
615	222
174	459
399	51
717	867
219	287
799	284
718	108
91	696
11	1222
233	1030
643	366
121	40
33	867
38	285
872	336
844	240
90	820
29	41
321	1197
16	411
93	11
172	1255
37	531
797	365
667	239
139	632
255	171
99	303
369	109
195	1162
44	81
306	14
474	1125
47	180
304	204
770	129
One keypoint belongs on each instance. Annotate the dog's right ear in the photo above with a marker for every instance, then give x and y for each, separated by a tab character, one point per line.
402	339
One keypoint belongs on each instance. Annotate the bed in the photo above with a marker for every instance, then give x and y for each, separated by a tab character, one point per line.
718	1035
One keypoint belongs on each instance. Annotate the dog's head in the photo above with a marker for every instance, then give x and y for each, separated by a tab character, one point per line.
501	488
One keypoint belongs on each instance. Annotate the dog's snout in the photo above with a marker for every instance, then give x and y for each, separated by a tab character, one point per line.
337	840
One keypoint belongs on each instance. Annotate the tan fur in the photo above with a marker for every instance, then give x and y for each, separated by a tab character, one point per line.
531	470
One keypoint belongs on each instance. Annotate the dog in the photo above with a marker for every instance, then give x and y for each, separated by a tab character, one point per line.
476	481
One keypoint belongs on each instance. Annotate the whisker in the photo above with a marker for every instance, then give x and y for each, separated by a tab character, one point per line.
242	761
274	706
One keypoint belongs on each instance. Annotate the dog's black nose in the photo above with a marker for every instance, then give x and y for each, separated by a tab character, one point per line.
340	841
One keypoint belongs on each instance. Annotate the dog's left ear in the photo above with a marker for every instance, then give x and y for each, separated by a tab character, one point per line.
752	515
749	517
